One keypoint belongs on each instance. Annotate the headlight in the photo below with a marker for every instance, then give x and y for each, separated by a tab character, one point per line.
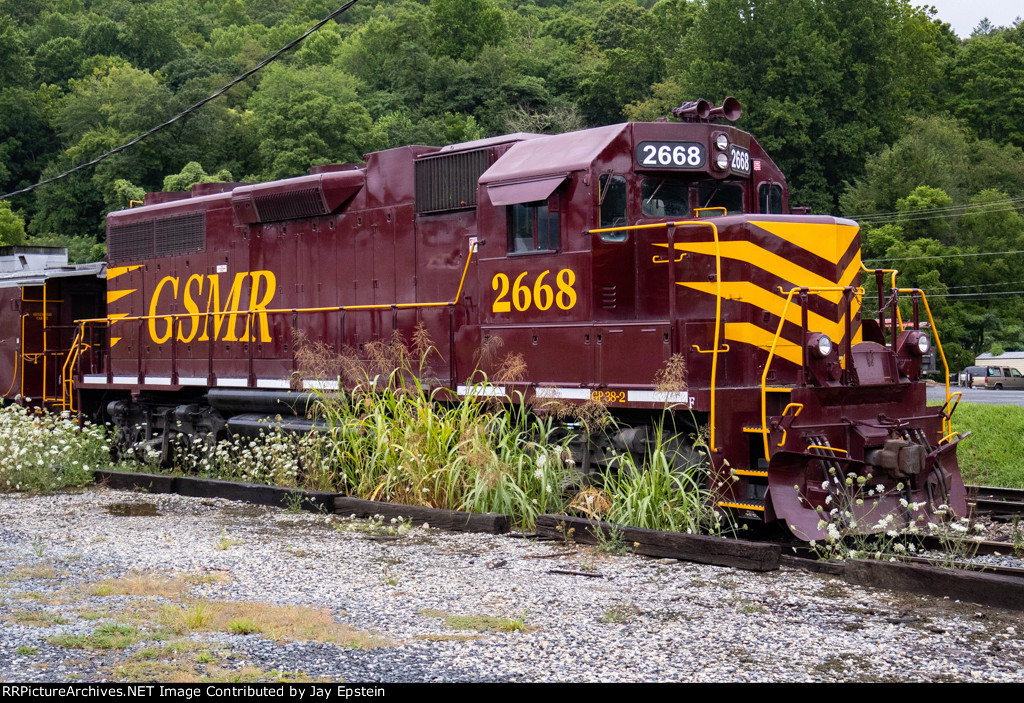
722	161
922	345
824	346
722	142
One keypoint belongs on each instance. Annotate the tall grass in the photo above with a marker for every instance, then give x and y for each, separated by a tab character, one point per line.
392	439
397	442
660	496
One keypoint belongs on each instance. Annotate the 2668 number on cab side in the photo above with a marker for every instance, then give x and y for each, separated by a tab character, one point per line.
524	294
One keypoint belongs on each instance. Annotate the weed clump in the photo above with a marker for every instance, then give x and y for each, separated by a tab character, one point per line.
44	451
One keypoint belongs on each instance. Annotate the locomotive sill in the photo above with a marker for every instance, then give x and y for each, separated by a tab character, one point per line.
516	254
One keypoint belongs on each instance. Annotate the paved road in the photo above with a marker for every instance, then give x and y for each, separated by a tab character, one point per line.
936	394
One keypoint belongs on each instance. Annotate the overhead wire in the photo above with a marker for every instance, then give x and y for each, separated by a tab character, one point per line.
902	214
116	150
946	256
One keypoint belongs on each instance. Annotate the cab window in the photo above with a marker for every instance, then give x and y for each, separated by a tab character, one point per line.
533	226
613	200
612	196
665	197
769	199
721	194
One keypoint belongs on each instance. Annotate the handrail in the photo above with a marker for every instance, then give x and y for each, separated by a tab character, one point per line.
67	371
947	422
276	311
14	374
765	432
718	302
172	318
865	269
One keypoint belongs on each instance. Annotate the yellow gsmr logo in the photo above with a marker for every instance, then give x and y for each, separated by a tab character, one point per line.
201	294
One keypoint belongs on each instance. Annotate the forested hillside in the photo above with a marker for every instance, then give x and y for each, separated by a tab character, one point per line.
873	108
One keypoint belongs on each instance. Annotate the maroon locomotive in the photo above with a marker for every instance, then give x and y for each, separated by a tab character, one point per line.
600	256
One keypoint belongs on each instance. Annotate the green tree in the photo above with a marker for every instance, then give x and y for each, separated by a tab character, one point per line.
58	60
12	227
305	117
26	138
937	152
82	249
193	173
462	28
988	93
121	193
14	64
822	83
916	217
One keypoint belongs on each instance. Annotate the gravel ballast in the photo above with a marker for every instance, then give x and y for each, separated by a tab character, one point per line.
600	618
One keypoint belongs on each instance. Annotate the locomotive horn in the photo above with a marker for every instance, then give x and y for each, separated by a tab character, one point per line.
730	110
693	111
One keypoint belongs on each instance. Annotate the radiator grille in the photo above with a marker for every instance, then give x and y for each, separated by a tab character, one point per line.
180	235
130	242
291	205
449	182
166	236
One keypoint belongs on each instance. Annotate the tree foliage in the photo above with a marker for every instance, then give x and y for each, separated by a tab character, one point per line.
871	107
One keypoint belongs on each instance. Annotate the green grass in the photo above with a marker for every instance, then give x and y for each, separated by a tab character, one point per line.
992	455
105	637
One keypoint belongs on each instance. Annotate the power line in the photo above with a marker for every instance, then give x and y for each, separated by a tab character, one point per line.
273	57
947	256
990	294
983	285
985	209
898	214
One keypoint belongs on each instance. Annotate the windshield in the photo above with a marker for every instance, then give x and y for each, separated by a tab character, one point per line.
721	194
665	197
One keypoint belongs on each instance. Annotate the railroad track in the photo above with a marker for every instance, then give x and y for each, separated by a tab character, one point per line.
992	500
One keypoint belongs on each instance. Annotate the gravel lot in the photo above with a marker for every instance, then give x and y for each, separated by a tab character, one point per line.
66	561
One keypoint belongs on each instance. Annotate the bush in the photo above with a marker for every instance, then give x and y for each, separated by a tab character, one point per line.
46	451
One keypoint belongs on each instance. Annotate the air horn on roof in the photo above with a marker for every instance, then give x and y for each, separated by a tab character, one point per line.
702	111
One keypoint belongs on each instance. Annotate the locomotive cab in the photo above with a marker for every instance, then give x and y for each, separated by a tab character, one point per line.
670	242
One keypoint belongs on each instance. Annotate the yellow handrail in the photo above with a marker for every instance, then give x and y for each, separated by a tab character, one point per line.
67	371
947	422
76	347
765	432
799	408
338	308
865	269
718	303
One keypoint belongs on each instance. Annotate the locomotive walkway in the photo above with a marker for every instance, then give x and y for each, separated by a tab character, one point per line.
558	612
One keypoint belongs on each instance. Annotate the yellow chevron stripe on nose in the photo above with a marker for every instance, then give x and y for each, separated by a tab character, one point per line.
829	241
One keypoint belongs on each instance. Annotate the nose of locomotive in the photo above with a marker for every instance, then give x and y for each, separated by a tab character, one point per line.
901	483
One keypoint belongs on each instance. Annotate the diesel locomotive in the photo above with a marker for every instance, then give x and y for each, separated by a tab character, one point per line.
601	256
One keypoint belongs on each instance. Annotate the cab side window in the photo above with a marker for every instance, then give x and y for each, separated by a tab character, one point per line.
613	200
533	226
769	199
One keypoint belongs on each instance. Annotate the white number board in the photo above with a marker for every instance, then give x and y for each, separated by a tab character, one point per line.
672	155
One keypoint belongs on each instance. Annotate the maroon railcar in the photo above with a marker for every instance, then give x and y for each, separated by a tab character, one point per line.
600	256
41	297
